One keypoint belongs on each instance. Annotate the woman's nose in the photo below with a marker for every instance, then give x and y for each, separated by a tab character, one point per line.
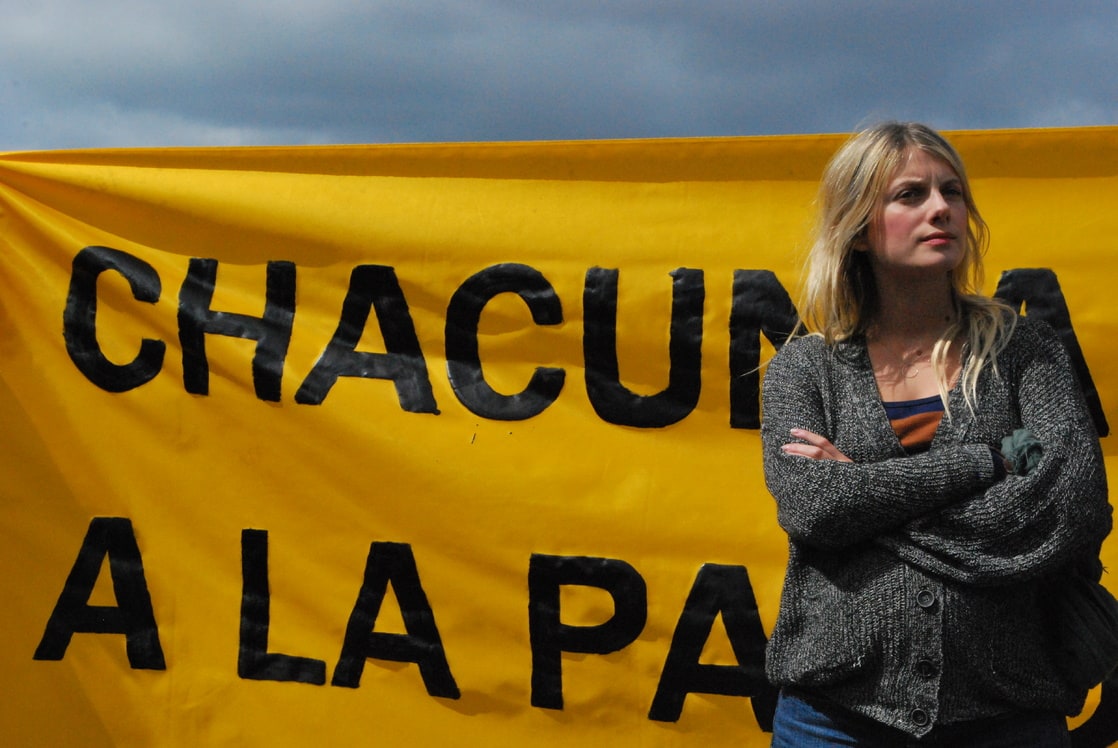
938	204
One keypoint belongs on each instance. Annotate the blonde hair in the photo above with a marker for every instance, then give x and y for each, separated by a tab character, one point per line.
840	295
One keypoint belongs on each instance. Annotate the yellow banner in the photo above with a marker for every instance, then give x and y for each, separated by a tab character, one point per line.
438	444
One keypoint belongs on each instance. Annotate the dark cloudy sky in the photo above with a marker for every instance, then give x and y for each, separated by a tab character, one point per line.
95	73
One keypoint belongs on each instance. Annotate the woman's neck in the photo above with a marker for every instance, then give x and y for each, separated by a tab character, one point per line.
915	312
901	338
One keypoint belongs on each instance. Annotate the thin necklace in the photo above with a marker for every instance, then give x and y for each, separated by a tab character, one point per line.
910	361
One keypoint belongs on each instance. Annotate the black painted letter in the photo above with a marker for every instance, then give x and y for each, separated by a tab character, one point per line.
463	364
614	402
79	320
254	661
134	617
761	305
725	590
394	563
374	286
272	332
550	637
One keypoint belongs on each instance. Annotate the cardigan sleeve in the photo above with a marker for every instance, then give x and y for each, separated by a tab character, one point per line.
1024	526
832	505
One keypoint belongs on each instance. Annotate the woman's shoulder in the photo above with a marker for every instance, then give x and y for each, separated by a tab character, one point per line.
812	351
1032	342
1030	334
802	349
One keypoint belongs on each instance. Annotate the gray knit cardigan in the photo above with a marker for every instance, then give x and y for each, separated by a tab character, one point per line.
915	588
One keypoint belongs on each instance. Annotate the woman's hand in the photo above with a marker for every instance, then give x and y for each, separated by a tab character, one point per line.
817	447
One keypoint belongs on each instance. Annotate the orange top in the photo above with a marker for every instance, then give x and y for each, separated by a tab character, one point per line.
915	421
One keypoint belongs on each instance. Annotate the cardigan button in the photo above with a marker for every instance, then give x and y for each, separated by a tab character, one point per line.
925	669
925	598
919	717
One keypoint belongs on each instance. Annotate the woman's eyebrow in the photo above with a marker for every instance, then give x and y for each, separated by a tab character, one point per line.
907	182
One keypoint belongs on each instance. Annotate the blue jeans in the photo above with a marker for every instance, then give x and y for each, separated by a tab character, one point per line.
803	721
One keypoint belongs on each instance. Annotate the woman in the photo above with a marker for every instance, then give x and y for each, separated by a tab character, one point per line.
913	608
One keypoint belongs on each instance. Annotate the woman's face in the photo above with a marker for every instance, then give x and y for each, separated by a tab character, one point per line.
921	222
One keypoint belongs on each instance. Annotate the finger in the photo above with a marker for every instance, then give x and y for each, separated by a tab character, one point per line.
804	450
826	450
811	437
821	447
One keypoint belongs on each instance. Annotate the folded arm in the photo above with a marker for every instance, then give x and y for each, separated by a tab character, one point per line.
826	502
1027	525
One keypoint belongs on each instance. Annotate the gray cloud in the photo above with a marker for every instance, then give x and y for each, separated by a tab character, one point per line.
206	72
